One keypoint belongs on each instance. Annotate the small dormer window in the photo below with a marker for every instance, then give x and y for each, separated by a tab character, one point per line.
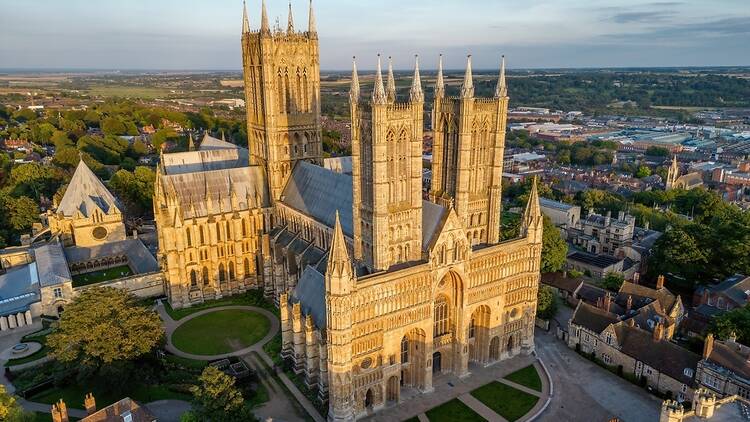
688	372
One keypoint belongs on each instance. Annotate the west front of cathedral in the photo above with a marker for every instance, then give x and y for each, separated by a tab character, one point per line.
380	287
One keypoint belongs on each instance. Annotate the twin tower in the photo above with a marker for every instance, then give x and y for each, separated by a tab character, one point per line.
282	90
387	139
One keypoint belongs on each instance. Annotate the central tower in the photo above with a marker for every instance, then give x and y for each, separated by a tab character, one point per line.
282	96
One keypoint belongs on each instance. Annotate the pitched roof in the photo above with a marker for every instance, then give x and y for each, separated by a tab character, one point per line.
319	193
599	261
192	190
139	258
736	288
117	410
52	267
18	288
590	294
593	318
210	143
732	356
86	192
310	292
663	355
559	281
213	154
644	294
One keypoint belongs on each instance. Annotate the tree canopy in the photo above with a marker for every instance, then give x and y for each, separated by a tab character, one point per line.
217	399
554	248
104	325
546	305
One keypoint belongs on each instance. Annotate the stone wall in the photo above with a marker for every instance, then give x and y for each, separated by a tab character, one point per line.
140	285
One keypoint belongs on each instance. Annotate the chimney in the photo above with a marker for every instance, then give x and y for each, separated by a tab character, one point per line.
59	412
90	403
608	218
732	338
599	302
607	302
645	225
636	278
704	297
631	322
658	331
621	216
708	346
629	305
660	282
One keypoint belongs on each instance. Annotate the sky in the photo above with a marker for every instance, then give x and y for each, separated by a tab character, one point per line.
205	34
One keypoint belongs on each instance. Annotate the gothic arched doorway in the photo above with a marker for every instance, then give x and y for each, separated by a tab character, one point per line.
436	363
392	390
412	358
495	348
368	400
479	332
511	345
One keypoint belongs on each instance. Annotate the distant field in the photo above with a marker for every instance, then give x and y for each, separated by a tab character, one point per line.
127	91
690	109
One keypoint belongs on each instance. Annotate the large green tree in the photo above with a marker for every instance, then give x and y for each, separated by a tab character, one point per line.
554	248
104	326
736	321
11	410
217	399
546	304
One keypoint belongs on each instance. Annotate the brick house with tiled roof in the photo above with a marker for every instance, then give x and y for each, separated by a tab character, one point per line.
725	367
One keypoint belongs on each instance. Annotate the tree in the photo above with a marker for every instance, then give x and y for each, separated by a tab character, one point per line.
24	212
643	171
136	188
216	398
736	321
113	126
677	252
554	248
613	281
11	410
546	304
102	326
657	151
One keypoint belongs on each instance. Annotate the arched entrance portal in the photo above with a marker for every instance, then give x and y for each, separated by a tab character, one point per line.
413	359
368	400
436	363
511	345
479	333
392	389
495	348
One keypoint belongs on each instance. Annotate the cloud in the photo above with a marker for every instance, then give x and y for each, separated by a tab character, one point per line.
690	32
642	17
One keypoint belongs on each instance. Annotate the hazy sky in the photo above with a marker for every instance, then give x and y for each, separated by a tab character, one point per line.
205	34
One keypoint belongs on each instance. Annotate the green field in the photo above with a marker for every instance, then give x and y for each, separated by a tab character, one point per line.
505	400
102	275
528	377
453	411
127	91
220	332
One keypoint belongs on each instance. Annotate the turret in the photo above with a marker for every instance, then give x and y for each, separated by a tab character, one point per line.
416	95
439	82
354	90
245	20
339	283
467	88
264	27
671	411
532	223
290	20
501	90
312	30
378	92
390	89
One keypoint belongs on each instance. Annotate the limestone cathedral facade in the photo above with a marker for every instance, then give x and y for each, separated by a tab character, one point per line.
379	289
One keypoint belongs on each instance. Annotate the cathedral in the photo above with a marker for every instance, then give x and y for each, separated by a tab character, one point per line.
380	287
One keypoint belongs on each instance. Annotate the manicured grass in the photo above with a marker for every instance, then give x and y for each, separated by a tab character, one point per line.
38	337
102	275
273	349
220	332
47	417
506	401
453	411
250	298
528	377
73	395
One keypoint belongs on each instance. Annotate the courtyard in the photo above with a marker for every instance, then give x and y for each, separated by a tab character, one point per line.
220	331
101	275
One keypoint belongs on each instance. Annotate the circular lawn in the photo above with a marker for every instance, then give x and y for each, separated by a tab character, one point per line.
220	332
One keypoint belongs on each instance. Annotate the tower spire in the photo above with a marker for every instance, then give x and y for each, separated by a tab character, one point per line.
354	88
416	93
245	20
311	24
191	142
532	215
502	89
290	22
264	19
467	89
390	89
440	83
338	257
378	93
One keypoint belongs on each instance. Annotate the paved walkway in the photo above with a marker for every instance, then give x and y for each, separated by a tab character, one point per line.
171	325
448	387
280	406
168	410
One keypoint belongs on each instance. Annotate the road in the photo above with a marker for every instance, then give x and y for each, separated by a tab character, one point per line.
586	392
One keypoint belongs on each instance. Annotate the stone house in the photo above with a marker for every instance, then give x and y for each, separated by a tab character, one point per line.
725	367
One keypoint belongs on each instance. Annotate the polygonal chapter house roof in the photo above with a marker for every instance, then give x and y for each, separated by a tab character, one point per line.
85	193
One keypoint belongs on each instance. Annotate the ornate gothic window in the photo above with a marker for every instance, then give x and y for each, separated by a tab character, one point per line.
441	317
247	267
222	274
188	239
472	328
203	236
231	271
193	278
205	276
404	350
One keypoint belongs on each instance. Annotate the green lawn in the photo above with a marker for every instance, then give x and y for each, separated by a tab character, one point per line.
528	377
506	401
102	275
47	417
73	395
250	298
453	411
220	332
38	337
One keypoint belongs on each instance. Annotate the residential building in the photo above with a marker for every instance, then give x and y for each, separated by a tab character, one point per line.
599	234
725	367
562	215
